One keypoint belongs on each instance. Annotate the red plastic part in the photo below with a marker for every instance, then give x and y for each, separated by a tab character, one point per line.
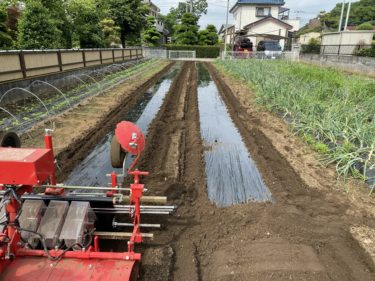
25	166
127	135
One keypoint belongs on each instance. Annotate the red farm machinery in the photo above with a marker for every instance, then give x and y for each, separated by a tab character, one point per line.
48	232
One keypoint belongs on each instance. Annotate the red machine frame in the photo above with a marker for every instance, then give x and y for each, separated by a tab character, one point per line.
10	240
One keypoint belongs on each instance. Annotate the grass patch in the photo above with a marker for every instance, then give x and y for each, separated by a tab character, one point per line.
332	111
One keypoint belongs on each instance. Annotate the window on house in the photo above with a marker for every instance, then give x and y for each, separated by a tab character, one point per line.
263	12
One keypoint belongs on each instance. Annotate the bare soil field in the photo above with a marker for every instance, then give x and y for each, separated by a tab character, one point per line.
78	130
311	231
303	235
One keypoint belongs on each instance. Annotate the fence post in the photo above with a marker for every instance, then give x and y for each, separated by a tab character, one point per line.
21	57
84	58
123	55
101	56
131	54
59	60
338	52
113	55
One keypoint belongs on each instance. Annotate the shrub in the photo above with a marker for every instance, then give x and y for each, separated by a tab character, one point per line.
313	47
365	26
366	52
201	51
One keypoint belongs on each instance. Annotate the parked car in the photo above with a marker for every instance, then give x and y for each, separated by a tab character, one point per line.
243	47
271	49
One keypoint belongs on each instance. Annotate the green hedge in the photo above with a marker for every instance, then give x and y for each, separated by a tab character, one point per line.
201	51
310	49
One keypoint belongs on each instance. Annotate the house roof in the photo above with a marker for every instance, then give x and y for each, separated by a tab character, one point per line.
283	9
224	27
269	18
257	2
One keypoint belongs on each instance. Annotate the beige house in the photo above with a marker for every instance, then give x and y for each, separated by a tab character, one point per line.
305	38
263	20
229	29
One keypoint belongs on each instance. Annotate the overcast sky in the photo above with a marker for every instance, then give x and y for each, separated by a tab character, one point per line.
305	9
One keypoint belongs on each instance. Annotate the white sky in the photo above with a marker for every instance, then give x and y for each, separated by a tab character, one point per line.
305	9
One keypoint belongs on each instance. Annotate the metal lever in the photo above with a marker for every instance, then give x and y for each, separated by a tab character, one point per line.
125	224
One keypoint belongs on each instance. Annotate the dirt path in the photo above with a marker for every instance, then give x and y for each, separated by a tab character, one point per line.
303	235
77	131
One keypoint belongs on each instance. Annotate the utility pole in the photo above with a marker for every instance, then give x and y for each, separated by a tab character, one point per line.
226	28
347	15
342	15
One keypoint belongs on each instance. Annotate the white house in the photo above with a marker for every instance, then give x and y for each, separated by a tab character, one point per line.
263	20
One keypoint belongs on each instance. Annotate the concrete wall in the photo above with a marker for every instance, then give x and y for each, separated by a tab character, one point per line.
16	65
365	65
348	37
349	40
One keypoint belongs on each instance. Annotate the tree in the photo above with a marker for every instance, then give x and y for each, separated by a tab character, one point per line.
86	21
151	35
57	10
171	20
38	29
187	31
130	16
5	38
14	13
174	16
208	36
365	26
361	11
110	31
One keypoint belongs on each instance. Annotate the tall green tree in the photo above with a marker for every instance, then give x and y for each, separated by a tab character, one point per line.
360	12
186	32
87	29
58	11
208	36
151	35
174	16
38	29
5	38
111	32
130	16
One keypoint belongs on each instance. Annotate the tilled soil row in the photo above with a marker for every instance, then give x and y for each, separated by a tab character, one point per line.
173	155
79	130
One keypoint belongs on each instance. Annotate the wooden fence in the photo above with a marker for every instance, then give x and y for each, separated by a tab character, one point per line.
16	65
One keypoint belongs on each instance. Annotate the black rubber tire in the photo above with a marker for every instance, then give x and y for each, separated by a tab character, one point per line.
9	139
135	272
117	154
